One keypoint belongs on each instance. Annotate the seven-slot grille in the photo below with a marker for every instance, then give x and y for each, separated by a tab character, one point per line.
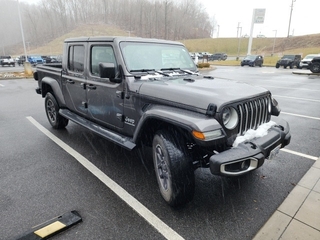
253	113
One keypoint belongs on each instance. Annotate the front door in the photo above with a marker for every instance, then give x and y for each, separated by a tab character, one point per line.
104	98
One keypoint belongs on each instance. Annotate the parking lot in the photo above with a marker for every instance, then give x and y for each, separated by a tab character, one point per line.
46	173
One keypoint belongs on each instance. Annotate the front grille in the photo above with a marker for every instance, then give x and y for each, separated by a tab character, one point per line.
253	113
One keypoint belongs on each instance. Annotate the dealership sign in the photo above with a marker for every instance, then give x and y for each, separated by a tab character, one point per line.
259	15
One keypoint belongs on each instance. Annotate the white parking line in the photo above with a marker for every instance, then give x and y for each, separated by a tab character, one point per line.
298	115
1	85
144	212
299	154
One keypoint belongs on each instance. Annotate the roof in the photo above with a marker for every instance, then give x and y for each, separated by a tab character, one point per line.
119	39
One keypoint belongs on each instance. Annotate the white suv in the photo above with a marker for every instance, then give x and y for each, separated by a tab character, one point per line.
304	63
7	60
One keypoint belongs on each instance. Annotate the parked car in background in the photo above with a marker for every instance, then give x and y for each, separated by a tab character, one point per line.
194	55
35	59
32	59
218	56
314	65
21	59
51	59
289	61
7	61
306	60
206	55
252	61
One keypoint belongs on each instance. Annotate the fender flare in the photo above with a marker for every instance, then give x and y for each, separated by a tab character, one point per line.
56	89
181	118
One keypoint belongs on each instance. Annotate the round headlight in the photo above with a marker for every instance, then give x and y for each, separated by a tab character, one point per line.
229	117
226	115
269	106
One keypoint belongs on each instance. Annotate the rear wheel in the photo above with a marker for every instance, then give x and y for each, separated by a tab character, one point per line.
277	65
52	110
173	168
315	67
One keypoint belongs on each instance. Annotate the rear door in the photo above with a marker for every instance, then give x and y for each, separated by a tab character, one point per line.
105	98
74	80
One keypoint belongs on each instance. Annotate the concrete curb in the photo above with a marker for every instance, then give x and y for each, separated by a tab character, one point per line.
14	75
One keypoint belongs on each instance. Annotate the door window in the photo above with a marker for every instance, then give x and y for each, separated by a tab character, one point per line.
76	58
101	54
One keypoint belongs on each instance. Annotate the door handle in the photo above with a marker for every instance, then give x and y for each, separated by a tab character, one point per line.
70	81
90	86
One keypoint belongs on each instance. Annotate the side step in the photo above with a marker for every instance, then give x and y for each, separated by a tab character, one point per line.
104	132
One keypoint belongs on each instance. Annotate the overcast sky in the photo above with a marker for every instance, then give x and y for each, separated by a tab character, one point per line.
228	13
305	16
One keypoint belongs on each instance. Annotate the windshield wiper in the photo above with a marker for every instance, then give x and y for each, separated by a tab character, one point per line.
178	69
150	71
142	70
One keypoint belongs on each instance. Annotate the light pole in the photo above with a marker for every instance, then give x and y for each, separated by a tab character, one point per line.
218	31
22	34
239	40
290	16
274	41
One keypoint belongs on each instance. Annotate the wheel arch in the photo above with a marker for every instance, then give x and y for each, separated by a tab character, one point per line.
153	124
184	121
51	85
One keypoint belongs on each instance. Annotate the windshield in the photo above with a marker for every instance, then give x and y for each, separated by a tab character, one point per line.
310	56
288	57
251	57
156	56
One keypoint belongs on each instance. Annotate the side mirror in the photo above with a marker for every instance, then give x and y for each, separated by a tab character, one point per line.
108	70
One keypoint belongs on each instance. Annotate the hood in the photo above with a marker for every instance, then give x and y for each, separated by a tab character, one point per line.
199	92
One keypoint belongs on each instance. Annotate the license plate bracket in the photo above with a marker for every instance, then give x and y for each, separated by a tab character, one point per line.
274	152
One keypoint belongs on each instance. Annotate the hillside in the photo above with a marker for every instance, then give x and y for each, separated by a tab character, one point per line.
55	47
300	44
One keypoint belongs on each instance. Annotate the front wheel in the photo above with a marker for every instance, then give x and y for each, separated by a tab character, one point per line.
173	168
277	65
315	67
52	110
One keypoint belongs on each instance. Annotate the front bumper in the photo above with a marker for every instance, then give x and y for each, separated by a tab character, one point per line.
250	155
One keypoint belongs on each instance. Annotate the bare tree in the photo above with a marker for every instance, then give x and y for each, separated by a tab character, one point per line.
167	19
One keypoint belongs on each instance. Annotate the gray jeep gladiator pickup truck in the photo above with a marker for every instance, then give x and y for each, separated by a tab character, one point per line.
141	93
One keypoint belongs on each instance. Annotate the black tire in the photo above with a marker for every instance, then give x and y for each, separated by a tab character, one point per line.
277	65
315	67
173	168
52	110
291	66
